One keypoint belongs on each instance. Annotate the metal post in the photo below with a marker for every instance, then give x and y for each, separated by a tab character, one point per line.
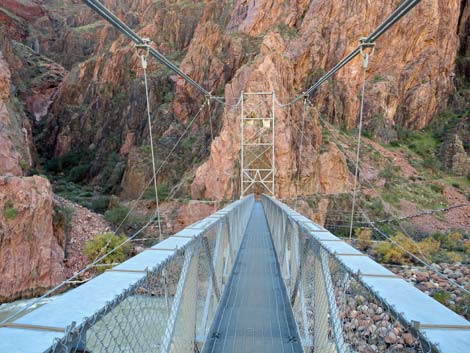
333	308
320	312
273	156
242	150
216	278
181	327
294	257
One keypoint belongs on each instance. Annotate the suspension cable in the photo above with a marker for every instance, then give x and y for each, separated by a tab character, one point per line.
301	150
393	18
210	118
365	65
143	59
122	27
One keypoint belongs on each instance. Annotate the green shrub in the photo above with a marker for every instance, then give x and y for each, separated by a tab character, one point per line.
9	211
121	213
74	164
287	32
390	253
100	203
101	244
466	248
378	78
78	173
449	241
390	174
62	216
163	192
116	214
441	296
437	188
431	162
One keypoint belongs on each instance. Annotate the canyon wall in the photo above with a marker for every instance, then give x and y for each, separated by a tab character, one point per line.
231	47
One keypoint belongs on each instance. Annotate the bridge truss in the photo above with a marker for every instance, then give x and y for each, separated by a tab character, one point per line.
257	143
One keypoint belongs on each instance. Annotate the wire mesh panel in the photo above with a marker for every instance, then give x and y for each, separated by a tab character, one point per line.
138	323
334	311
368	324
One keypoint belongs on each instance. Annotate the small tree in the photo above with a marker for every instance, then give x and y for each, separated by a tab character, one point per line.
102	244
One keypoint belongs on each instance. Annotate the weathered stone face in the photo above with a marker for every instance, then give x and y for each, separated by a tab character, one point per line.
30	252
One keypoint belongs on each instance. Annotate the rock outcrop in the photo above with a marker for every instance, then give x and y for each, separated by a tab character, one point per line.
454	156
31	254
14	147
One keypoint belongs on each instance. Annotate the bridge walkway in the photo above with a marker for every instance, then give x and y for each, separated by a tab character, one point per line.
254	314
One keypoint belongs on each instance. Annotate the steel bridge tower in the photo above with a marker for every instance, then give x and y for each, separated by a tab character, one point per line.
257	167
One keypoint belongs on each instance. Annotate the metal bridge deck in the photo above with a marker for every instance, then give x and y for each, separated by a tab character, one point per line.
254	315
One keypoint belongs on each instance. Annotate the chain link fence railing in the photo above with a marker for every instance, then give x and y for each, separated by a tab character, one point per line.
170	305
335	310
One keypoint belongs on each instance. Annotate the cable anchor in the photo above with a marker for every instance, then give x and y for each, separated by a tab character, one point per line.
363	46
144	49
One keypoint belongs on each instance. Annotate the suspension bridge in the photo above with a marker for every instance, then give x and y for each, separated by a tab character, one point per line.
256	276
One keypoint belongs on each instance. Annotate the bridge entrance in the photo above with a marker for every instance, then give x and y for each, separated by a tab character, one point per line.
257	168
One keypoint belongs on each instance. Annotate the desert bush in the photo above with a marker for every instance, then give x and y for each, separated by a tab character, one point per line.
100	203
448	241
62	216
102	244
466	248
78	173
391	253
390	173
10	211
121	213
364	236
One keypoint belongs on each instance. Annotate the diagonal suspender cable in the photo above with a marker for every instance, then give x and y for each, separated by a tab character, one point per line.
301	150
121	26
365	64
405	7
210	118
157	201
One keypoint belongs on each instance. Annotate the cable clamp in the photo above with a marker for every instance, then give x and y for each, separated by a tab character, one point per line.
363	46
144	49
